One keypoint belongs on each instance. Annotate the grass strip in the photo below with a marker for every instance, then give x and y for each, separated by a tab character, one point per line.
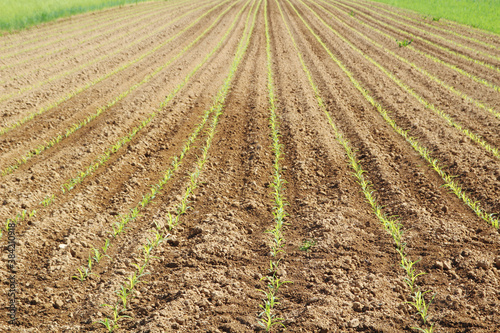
449	180
392	226
455	124
70	95
122	221
267	318
76	126
127	289
411	47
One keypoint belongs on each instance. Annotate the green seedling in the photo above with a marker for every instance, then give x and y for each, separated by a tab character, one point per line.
112	324
307	245
123	293
84	272
48	200
404	43
98	256
106	247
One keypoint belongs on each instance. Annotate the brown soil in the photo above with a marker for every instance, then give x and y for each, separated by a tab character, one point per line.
206	277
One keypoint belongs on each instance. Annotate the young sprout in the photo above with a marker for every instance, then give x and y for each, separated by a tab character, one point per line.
307	245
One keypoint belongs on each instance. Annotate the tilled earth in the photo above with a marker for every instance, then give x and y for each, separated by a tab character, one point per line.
172	58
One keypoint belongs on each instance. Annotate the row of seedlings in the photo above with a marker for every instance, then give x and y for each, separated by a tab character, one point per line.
267	317
438	27
118	33
428	42
82	30
458	70
126	292
392	226
15	41
103	158
122	221
75	69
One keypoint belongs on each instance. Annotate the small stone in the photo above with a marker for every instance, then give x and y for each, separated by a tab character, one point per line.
58	304
320	174
497	262
447	265
439	264
358	307
354	323
62	246
483	264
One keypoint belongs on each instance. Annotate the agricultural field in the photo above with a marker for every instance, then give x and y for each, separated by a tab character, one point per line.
250	165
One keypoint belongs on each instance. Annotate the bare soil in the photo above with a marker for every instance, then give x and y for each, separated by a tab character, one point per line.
206	277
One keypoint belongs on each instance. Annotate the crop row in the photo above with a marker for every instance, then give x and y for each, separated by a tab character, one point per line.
116	36
127	289
101	160
440	47
76	126
72	94
123	220
267	318
392	226
427	55
461	128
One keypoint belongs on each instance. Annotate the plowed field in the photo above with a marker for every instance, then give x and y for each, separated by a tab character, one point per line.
179	160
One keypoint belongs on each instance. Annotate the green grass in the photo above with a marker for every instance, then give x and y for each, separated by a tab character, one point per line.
482	14
21	14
